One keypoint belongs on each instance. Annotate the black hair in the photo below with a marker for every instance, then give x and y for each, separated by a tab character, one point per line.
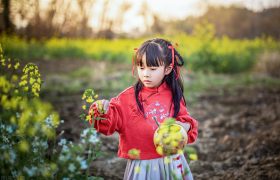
158	53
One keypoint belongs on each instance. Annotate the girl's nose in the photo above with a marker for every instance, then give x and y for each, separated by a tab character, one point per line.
146	73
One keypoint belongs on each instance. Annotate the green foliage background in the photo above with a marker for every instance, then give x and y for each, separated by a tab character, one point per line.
202	50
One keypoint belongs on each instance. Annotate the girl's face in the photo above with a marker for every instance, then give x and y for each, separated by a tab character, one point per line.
152	76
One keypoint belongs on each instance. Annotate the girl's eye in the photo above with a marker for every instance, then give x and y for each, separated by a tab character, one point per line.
153	69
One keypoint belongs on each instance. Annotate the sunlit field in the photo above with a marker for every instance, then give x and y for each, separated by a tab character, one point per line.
201	51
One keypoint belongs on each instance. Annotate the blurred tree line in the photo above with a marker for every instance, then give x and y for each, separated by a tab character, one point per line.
234	22
32	19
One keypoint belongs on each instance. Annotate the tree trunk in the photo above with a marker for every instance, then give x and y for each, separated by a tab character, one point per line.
7	24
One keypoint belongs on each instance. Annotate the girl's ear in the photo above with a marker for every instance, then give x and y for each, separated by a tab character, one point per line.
168	69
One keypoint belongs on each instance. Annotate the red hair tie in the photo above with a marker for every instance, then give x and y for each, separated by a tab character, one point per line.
133	63
177	71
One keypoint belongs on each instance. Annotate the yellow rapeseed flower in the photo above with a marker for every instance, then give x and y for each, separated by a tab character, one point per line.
159	150
89	100
137	169
13	120
174	128
166	160
84	107
20	178
16	65
157	139
134	153
193	157
23	146
31	131
83	97
24	77
180	151
3	98
174	143
25	69
14	78
167	140
31	80
91	111
23	83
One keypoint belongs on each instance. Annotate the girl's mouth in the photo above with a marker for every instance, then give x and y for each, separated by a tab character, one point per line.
147	81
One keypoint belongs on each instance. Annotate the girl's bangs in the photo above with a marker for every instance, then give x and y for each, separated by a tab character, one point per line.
154	55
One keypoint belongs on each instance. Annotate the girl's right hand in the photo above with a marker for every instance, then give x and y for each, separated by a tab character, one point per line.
102	106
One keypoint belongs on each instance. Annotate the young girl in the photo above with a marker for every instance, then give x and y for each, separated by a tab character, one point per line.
158	94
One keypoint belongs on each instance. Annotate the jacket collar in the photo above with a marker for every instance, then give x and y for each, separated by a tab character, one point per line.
160	88
146	92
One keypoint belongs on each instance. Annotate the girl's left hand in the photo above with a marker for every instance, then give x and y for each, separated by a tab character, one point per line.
186	125
102	106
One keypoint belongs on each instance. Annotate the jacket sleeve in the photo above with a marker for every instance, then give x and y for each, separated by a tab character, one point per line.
184	117
111	121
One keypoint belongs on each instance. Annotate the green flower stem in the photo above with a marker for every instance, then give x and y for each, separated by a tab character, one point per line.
89	159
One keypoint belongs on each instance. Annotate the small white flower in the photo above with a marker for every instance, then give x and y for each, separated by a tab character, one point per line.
4	147
9	129
65	148
17	115
5	139
62	158
44	144
79	158
83	164
71	167
14	174
85	132
12	156
93	139
30	171
62	142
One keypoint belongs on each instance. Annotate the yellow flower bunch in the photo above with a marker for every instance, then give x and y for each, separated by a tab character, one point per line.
31	79
170	138
89	97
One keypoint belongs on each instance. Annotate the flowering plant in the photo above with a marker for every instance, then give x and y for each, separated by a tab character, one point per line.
29	147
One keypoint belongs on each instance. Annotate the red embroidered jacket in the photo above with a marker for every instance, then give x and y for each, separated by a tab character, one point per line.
135	129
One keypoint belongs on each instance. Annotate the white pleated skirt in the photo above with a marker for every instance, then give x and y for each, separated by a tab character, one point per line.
166	168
